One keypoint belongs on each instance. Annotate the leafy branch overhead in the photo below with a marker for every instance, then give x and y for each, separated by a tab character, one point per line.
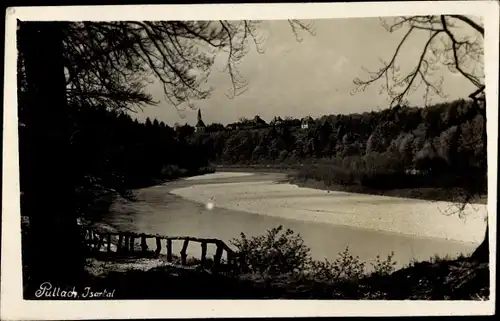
111	63
452	41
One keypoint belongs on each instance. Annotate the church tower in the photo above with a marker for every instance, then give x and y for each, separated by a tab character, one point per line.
200	125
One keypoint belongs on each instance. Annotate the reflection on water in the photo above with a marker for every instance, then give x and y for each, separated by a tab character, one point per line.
157	211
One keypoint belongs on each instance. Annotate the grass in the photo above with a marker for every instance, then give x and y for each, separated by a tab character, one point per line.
295	276
438	279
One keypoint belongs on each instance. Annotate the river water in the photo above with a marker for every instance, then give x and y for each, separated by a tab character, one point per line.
158	211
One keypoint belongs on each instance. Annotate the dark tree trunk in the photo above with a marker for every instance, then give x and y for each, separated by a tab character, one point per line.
482	253
53	250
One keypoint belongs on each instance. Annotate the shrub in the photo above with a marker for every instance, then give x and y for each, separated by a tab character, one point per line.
281	252
170	171
283	155
345	268
277	252
384	267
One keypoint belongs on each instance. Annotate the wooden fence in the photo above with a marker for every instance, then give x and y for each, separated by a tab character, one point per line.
135	243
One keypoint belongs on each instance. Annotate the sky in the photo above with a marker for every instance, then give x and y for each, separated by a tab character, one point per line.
312	77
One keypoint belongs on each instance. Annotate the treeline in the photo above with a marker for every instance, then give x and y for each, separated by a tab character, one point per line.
444	145
441	145
136	153
112	153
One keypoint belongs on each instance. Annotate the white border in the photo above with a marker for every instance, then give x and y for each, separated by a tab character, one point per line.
14	308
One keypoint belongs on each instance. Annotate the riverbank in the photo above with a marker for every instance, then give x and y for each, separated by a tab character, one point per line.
373	212
441	279
438	279
293	177
171	173
421	193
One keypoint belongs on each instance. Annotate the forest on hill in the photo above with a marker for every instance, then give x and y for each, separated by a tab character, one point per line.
442	144
111	154
79	148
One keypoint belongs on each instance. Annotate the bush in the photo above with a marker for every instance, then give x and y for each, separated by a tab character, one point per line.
277	252
345	268
282	254
384	267
170	171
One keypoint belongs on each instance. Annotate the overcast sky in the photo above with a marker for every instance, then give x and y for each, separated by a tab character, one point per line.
312	77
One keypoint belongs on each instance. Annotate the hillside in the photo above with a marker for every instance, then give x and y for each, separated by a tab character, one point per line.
438	147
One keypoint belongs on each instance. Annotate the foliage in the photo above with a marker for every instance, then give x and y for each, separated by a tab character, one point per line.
376	149
383	267
111	153
121	153
278	252
282	252
458	279
110	63
345	268
454	42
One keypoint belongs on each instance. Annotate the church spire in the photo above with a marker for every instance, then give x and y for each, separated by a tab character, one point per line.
200	125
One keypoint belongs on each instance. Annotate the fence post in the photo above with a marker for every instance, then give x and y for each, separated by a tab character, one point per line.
119	245
144	246
230	258
169	250
158	247
184	252
91	240
98	241
203	253
242	263
132	243
109	243
217	258
126	245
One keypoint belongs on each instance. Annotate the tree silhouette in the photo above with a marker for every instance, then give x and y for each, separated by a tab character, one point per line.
103	64
455	42
115	60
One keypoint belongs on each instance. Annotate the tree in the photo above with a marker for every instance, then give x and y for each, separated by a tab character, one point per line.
55	248
453	41
115	60
103	64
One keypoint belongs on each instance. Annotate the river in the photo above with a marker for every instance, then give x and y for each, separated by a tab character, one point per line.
327	221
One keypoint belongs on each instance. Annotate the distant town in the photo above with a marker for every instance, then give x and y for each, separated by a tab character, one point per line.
254	123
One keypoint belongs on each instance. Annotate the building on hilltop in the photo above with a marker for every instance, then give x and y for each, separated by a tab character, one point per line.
307	122
277	121
232	126
200	125
258	122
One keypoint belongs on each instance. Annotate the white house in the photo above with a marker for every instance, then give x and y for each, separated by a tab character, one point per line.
307	122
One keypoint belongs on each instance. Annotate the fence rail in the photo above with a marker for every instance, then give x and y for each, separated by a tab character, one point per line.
131	243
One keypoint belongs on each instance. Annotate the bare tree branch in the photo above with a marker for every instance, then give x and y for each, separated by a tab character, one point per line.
457	54
121	58
471	23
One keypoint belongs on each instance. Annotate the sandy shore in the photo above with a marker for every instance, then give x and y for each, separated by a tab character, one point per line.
389	214
218	175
